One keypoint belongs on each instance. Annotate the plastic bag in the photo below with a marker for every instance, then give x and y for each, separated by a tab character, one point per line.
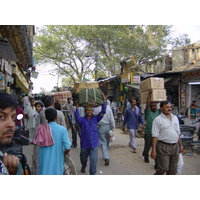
180	163
111	136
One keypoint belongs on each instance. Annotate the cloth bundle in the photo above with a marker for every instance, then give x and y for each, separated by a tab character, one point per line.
90	97
43	136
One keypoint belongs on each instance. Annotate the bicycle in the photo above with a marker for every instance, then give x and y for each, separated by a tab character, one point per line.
119	118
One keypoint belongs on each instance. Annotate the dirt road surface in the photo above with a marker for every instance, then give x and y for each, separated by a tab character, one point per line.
124	162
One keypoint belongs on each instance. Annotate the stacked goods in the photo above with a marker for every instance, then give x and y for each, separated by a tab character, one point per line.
157	86
157	95
152	83
87	84
63	95
90	97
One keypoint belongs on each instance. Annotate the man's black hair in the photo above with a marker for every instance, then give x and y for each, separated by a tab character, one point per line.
50	114
57	106
39	103
130	100
164	103
47	101
7	100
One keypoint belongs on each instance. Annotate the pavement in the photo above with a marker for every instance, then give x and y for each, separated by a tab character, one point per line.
123	161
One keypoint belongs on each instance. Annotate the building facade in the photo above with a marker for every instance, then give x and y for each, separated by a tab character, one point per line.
16	58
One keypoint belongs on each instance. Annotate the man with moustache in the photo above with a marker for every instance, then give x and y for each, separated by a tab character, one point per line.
8	163
166	143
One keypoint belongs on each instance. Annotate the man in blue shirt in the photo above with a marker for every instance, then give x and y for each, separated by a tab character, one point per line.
132	118
89	136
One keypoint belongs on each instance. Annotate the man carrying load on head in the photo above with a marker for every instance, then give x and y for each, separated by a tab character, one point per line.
90	136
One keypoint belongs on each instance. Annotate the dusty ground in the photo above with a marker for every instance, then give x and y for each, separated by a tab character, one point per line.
134	162
124	162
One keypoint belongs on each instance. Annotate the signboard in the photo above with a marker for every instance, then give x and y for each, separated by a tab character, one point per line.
191	76
125	78
136	79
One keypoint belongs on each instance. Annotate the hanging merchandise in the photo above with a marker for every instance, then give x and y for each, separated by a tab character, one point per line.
8	90
2	82
126	90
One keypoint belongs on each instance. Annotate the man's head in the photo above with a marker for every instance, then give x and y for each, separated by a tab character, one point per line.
88	111
69	100
133	102
8	106
48	101
51	114
165	107
193	103
153	106
38	106
32	101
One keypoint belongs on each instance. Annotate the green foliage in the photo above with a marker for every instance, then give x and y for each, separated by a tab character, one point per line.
77	49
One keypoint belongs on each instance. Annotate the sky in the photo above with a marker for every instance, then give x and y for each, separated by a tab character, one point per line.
48	81
193	31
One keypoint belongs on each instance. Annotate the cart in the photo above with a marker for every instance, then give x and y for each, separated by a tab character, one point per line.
186	136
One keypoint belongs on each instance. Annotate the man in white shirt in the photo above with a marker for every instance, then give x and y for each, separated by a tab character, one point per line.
106	125
166	143
48	101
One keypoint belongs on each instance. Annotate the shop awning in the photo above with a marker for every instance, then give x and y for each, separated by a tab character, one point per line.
22	85
107	79
21	80
6	50
134	85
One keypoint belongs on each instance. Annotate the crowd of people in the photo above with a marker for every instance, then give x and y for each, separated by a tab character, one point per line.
48	132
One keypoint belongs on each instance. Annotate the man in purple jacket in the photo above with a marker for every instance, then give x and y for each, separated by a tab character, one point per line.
89	137
132	118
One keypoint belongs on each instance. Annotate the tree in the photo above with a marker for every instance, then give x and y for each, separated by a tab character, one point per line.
59	46
77	49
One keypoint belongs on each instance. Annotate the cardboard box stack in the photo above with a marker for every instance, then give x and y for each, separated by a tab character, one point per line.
157	86
61	97
86	84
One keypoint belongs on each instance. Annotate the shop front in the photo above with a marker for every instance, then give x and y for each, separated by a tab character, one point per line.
21	85
189	90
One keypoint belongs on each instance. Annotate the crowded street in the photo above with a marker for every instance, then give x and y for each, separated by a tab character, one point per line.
99	100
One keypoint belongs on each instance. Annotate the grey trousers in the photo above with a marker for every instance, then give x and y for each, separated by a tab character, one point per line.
167	158
35	160
132	134
104	140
